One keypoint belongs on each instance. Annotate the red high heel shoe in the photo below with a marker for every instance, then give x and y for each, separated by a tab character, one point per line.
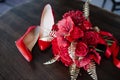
47	21
27	42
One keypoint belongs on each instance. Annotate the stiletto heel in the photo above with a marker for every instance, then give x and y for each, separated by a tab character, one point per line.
43	44
27	42
47	21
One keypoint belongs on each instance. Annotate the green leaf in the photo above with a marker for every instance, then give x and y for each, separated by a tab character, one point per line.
98	50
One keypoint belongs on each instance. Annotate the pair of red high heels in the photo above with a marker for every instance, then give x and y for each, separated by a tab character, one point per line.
37	33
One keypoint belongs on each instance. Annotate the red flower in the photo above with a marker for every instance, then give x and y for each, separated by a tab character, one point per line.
86	25
77	16
69	30
91	37
55	47
64	56
74	34
63	45
94	56
60	47
83	62
64	26
74	27
81	49
62	42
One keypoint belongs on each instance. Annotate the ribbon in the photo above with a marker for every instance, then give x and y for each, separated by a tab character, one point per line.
113	49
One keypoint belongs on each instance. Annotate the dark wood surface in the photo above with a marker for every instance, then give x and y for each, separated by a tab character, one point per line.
14	23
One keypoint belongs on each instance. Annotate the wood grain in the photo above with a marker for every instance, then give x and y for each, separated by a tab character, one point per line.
14	23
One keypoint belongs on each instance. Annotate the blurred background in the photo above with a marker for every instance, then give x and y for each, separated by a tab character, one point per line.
109	5
6	5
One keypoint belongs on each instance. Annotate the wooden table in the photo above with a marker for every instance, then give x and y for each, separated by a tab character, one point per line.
14	24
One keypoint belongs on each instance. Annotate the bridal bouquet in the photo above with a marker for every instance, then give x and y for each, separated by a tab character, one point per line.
74	41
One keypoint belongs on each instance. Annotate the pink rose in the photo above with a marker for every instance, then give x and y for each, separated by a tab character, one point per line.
81	49
83	62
